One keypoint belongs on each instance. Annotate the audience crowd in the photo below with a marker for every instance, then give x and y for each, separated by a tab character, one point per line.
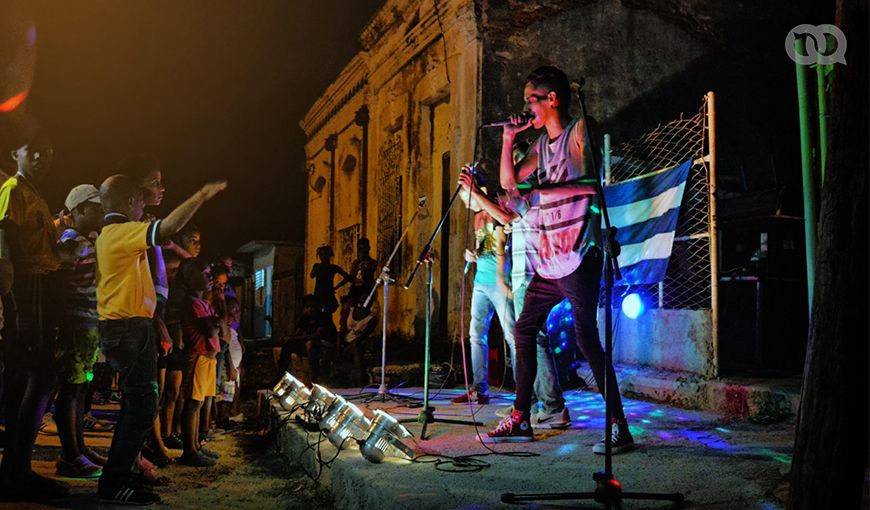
105	302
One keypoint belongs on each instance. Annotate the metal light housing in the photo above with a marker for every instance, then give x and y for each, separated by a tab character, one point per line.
319	402
350	422
330	417
293	395
283	384
385	437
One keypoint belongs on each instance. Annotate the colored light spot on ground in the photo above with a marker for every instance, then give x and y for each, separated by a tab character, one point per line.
764	505
635	430
13	102
776	456
657	413
709	440
645	421
594	209
565	449
723	429
667	436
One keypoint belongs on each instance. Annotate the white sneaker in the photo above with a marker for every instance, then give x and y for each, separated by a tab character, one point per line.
48	426
558	420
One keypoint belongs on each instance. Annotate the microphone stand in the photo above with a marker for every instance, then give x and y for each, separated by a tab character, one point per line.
608	490
427	415
383	395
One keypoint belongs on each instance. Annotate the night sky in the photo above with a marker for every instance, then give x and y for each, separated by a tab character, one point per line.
214	90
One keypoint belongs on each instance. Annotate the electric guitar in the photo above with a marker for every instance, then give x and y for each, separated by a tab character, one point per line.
360	324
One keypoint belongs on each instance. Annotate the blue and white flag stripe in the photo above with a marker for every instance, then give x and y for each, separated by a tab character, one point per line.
645	210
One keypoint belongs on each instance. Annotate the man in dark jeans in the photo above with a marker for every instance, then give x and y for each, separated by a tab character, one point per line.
28	262
126	300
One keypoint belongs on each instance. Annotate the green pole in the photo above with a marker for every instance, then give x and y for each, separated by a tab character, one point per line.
822	73
809	182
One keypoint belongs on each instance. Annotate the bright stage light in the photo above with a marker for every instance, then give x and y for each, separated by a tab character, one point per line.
385	436
330	417
283	384
319	402
350	422
291	392
632	306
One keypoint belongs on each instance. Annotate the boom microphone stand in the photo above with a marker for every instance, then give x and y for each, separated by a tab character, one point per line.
427	415
383	395
608	490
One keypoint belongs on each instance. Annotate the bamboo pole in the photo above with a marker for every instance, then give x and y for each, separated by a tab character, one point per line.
714	229
809	181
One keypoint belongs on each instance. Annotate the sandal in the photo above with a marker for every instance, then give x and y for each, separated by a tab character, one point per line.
156	457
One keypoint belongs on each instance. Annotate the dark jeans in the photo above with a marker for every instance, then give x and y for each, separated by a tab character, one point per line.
29	378
130	348
581	288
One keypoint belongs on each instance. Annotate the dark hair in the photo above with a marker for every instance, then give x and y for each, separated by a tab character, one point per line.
183	236
325	251
553	79
363	241
117	190
232	300
190	272
138	167
310	300
219	268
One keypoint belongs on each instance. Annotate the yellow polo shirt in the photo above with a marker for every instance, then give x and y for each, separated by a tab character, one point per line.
28	222
124	285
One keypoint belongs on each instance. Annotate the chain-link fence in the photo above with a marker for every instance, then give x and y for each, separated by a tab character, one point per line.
687	284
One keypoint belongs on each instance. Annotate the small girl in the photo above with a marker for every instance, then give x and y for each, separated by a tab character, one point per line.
324	273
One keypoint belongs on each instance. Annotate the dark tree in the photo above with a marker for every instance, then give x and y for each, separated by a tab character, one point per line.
831	443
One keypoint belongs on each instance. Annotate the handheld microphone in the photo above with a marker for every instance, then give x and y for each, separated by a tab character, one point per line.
467	267
524	117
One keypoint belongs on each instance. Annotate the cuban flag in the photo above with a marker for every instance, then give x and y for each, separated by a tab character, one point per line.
645	211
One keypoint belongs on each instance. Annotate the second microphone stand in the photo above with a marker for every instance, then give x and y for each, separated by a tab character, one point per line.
427	415
384	279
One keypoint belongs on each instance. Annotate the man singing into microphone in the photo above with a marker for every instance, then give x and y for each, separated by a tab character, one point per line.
560	169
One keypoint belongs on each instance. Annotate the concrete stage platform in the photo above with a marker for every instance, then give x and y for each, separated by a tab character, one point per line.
716	462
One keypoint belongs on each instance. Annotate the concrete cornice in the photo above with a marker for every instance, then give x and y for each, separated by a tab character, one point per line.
396	34
352	79
418	26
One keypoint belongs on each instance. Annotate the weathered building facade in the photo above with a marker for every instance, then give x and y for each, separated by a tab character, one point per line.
403	115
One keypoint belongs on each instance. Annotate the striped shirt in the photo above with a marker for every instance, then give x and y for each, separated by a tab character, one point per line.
524	248
569	226
79	274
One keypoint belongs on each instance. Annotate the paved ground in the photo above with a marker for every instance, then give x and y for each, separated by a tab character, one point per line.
248	475
716	463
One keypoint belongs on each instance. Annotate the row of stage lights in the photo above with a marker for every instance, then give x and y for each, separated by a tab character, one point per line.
344	422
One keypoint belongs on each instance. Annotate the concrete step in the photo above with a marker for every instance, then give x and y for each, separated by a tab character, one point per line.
757	399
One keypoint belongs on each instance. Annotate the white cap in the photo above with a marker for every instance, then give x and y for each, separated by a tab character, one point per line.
80	194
